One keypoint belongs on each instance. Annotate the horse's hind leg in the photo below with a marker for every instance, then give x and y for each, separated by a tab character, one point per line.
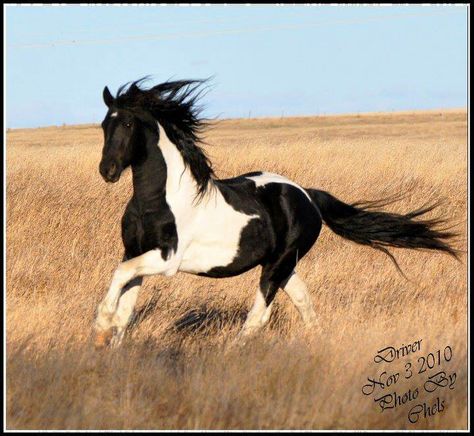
298	293
258	315
273	275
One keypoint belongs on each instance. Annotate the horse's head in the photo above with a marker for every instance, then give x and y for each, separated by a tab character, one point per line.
123	131
131	131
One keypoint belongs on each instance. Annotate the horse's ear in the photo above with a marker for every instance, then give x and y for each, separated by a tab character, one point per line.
108	98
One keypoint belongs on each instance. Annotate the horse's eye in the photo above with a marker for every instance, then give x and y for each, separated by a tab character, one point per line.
128	125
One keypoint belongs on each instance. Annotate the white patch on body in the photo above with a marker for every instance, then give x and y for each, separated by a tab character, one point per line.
266	178
208	230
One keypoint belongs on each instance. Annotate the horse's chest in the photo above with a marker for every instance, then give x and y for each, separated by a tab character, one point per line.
149	231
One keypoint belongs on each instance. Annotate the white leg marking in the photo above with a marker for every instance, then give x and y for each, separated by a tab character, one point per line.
257	317
124	310
266	315
147	264
298	292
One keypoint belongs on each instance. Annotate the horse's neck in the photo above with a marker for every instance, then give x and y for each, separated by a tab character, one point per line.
149	177
163	180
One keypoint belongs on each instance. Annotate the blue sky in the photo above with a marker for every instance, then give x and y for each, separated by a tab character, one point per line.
266	60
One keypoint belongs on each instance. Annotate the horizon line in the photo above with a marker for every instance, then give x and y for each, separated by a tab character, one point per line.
262	117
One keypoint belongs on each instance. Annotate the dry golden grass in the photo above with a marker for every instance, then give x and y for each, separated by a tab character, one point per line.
63	243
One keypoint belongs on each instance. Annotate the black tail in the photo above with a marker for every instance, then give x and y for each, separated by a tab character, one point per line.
362	223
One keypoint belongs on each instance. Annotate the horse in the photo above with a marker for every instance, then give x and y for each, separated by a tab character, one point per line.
182	218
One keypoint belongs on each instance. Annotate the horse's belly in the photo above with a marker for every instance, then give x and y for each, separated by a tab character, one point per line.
213	237
201	257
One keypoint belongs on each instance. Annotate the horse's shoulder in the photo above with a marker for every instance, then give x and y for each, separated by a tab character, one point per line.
131	210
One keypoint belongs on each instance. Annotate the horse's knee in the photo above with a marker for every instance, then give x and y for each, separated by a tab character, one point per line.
123	274
105	312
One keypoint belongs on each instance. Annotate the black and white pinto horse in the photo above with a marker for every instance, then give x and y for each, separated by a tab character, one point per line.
182	218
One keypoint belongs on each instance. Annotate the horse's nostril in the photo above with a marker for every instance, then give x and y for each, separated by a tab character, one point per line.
111	170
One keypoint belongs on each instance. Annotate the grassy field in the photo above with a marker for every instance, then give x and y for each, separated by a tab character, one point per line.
179	367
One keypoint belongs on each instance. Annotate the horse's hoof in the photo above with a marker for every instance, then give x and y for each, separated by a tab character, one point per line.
103	339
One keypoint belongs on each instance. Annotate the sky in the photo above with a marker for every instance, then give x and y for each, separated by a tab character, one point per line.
264	60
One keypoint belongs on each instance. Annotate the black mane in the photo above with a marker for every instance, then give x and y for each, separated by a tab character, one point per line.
173	105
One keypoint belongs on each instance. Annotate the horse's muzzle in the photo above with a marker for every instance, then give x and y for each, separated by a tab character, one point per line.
110	171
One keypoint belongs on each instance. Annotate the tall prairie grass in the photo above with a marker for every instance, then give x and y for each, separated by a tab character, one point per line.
179	367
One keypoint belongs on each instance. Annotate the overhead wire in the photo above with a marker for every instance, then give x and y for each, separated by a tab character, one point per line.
206	33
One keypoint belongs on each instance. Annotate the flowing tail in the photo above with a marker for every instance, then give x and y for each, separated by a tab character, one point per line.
364	224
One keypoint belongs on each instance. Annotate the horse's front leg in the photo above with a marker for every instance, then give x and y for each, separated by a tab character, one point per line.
124	311
114	312
112	329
